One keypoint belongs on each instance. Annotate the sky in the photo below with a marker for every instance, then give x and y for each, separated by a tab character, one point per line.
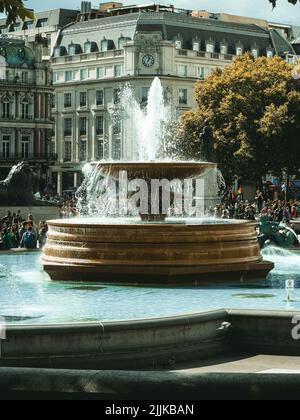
284	13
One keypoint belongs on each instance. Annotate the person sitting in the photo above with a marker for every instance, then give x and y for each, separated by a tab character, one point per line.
29	240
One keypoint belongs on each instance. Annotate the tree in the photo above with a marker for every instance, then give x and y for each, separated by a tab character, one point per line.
15	9
253	107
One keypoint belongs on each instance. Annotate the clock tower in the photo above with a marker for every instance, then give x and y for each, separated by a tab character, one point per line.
148	53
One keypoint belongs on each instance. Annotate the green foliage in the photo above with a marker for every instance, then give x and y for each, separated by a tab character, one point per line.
253	107
15	9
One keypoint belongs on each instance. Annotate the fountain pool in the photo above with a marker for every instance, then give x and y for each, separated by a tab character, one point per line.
29	297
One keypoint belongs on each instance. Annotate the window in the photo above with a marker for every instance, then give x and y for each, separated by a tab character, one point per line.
68	100
6	108
178	44
100	72
52	148
55	77
68	127
116	96
68	76
57	52
25	110
196	46
99	97
83	99
83	126
104	45
72	49
210	47
25	147
239	49
83	151
100	125
183	96
6	142
116	149
182	71
84	74
201	73
145	94
24	77
118	70
223	49
270	53
254	52
49	43
29	24
67	151
53	101
100	150
42	23
16	27
87	47
116	127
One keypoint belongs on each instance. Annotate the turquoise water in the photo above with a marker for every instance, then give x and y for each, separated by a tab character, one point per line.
27	295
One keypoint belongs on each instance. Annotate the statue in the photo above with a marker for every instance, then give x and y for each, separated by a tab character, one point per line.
276	233
207	148
19	187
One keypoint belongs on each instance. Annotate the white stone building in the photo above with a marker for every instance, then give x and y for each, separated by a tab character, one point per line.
94	59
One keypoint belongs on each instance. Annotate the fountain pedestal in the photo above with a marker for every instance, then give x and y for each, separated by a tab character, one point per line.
154	253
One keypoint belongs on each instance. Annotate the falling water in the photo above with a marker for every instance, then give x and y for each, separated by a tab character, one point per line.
145	128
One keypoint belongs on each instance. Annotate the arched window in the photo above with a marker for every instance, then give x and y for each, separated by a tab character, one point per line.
72	49
270	52
255	51
104	44
239	49
210	46
224	47
196	44
87	47
25	109
178	41
6	107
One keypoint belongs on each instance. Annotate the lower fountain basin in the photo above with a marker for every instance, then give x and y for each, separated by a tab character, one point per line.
144	253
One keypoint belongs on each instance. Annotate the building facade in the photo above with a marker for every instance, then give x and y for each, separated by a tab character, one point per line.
26	123
92	60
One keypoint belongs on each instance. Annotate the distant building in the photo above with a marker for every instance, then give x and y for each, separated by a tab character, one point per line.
44	29
26	94
95	57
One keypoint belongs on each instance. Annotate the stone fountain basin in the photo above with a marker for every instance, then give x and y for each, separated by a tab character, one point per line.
156	170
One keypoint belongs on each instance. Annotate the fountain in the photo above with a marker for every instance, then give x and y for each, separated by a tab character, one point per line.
152	246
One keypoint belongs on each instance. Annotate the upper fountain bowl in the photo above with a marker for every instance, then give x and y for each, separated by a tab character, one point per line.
156	170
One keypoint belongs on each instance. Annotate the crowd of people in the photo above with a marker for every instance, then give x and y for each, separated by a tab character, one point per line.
17	232
233	206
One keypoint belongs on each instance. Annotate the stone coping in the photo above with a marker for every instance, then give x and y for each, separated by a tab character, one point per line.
143	385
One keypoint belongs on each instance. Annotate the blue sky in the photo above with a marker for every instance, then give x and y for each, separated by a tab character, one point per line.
285	12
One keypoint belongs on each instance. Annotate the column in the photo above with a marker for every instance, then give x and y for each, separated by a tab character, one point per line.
59	183
75	179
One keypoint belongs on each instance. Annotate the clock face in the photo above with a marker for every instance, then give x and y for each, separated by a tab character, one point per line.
148	60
